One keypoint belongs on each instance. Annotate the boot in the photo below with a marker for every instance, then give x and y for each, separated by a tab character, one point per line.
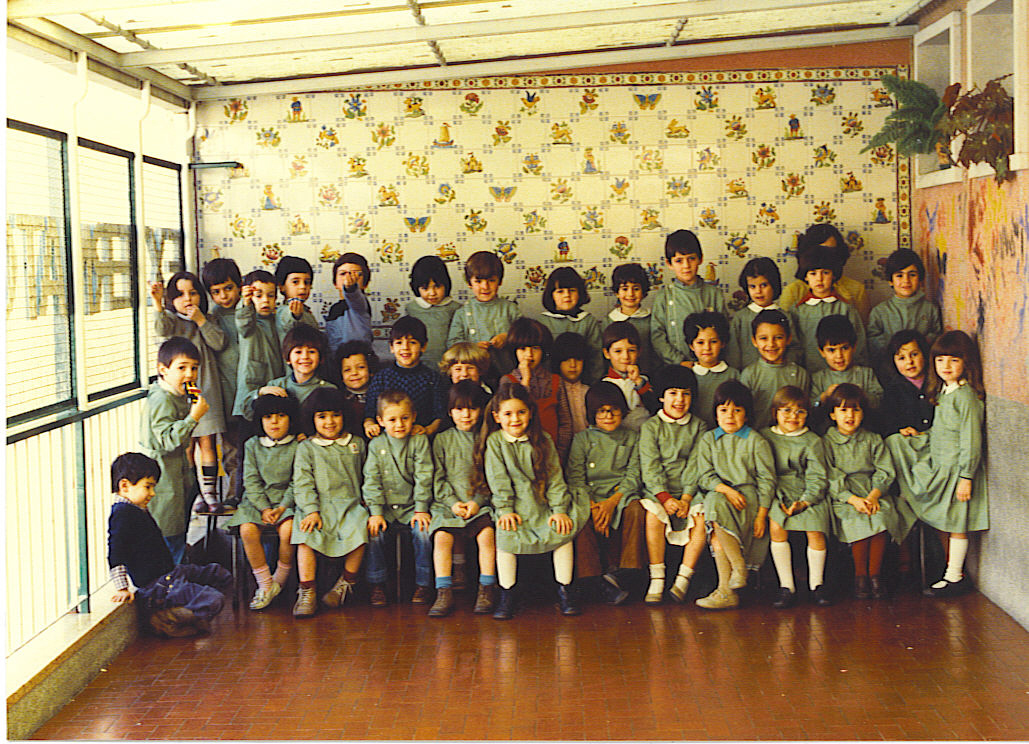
506	606
565	602
444	603
307	603
338	593
485	599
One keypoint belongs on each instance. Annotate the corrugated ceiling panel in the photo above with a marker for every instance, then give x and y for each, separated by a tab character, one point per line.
460	12
763	22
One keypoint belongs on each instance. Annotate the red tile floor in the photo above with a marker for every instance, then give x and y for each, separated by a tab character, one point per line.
909	668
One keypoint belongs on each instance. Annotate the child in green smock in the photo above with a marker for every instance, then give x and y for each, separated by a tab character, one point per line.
770	331
630	284
260	353
433	305
303	350
294	278
761	280
707	335
907	309
837	341
564	294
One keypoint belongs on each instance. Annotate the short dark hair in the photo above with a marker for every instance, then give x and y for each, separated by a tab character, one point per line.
684	242
466	394
733	391
900	259
694	322
602	394
568	345
618	331
304	335
630	273
820	233
847	395
408	325
171	290
906	336
762	266
429	268
175	347
323	399
356	346
219	271
835	329
771	317
483	265
133	467
564	277
354	258
529	332
392	397
259	275
291	265
815	256
675	376
266	405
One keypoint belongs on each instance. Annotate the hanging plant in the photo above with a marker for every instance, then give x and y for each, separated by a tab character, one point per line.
986	120
913	126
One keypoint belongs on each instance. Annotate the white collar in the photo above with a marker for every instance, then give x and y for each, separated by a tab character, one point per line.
341	441
816	300
717	369
950	387
669	420
512	440
617	314
797	433
426	305
582	314
756	308
269	442
168	388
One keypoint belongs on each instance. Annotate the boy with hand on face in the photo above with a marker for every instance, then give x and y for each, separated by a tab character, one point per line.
294	278
350	319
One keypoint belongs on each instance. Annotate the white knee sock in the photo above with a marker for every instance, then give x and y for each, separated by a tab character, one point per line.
564	562
507	569
815	567
782	557
956	559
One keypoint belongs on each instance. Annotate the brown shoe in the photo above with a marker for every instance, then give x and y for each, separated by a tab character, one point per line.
485	599
307	603
378	598
444	603
173	622
422	595
338	593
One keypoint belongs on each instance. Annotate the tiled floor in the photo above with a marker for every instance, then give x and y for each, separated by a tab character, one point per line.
911	668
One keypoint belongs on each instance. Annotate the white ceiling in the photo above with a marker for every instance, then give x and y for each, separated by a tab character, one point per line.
212	46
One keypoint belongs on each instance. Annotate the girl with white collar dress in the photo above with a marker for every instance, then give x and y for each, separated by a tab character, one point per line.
630	284
433	305
563	297
762	282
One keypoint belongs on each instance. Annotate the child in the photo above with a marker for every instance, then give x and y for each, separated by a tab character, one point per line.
568	359
707	334
944	483
819	267
181	311
531	341
356	363
850	290
433	305
329	518
563	297
168	423
630	284
485	318
761	280
906	408
293	277
799	496
398	492
667	444
736	469
350	319
621	350
604	471
686	293
770	331
536	512
457	511
268	500
222	279
836	342
466	361
860	474
302	350
174	600
909	308
260	354
407	339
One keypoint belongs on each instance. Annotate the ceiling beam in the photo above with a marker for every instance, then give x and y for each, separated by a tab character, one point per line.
363	39
39	8
524	66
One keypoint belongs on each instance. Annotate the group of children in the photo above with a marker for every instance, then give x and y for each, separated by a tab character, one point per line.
600	445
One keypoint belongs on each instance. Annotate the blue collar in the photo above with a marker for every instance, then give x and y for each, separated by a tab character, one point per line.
742	433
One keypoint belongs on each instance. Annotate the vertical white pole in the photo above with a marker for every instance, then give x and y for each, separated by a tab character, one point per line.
77	277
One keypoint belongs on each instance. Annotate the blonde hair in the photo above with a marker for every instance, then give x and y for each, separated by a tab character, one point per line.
465	352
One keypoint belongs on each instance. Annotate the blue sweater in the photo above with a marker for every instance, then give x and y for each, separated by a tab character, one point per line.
134	540
425	387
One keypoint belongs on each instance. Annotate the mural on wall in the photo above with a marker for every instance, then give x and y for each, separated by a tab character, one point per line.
588	170
975	240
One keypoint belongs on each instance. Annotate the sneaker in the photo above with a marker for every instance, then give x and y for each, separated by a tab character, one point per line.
820	596
378	598
264	598
719	599
422	595
444	603
307	603
614	593
485	599
338	593
785	600
679	589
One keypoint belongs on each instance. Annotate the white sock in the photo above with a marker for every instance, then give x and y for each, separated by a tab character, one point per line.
657	578
564	563
264	578
685	571
281	574
507	569
815	567
782	557
956	560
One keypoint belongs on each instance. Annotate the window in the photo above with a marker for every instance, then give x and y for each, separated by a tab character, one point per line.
40	370
938	64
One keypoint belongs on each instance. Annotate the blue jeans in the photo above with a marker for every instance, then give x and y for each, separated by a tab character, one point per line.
375	562
197	588
177	546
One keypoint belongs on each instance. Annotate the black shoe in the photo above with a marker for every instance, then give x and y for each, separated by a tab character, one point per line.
878	588
506	606
565	602
862	587
820	596
785	600
614	594
950	589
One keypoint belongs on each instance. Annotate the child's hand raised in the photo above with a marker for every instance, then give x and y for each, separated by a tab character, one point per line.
376	525
371	429
199	408
498	341
195	314
296	307
311	522
247	293
561	523
421	519
157	293
632	373
509	522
